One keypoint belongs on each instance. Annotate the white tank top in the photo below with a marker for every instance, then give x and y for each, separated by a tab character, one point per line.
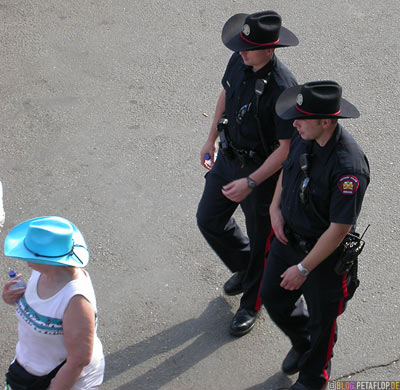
40	346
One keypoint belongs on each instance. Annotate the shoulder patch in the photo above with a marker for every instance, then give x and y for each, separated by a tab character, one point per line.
348	185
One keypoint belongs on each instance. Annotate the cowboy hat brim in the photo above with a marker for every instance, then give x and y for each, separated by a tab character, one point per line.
232	40
14	247
286	107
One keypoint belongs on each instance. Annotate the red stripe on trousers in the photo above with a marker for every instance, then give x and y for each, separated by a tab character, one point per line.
267	247
331	341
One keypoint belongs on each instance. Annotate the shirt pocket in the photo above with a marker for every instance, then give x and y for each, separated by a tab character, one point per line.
319	203
228	91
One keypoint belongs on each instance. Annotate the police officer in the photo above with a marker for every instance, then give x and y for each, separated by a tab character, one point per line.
316	204
254	143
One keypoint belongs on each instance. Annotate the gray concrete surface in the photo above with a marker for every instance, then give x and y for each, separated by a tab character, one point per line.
102	123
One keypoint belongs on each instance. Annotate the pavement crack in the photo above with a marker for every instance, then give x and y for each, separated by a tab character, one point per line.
368	368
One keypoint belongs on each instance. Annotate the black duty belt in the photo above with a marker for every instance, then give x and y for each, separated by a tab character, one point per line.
297	241
246	156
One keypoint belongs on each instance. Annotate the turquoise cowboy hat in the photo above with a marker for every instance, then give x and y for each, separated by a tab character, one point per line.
47	240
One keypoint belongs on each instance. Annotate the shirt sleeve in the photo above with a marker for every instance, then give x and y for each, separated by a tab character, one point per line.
347	197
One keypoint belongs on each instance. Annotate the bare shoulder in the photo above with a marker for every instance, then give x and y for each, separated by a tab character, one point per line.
79	310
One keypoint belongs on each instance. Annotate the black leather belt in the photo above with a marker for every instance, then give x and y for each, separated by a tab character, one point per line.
297	241
246	156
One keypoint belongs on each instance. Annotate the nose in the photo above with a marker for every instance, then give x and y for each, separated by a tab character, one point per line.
295	123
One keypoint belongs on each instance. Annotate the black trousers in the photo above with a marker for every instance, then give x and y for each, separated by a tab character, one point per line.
312	330
238	251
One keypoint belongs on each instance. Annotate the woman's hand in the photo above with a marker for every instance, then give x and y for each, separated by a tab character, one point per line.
11	296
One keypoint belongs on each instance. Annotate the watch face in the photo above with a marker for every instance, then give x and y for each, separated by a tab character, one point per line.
303	271
251	183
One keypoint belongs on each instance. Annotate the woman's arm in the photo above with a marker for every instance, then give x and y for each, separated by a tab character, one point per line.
79	329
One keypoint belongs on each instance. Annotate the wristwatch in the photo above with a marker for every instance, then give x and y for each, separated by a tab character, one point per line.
303	270
251	183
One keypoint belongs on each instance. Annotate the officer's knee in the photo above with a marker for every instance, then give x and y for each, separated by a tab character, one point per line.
273	300
205	221
202	220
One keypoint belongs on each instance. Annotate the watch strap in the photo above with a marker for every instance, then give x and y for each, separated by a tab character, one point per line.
303	270
251	183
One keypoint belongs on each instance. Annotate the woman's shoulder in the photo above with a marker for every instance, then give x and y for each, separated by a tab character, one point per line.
81	285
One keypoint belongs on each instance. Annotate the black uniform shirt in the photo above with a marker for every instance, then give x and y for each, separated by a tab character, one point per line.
339	176
239	83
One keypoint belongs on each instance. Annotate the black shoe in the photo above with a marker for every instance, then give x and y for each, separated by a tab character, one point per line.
291	362
233	286
243	322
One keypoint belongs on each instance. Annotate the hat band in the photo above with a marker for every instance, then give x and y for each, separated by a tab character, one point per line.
259	44
71	252
313	113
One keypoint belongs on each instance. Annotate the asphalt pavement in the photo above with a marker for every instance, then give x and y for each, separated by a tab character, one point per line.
105	107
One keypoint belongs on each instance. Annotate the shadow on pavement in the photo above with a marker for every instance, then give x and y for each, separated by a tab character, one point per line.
278	381
209	336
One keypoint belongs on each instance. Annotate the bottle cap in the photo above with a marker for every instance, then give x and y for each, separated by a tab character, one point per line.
207	157
12	274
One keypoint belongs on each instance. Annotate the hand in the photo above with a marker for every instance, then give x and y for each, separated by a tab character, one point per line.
208	148
236	190
292	278
277	223
12	296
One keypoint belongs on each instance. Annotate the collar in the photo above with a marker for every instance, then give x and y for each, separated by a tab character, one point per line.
323	153
263	72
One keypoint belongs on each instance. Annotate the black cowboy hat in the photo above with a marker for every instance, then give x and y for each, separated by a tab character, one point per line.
315	100
262	30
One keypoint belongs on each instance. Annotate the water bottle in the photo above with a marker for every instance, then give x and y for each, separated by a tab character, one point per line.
207	159
21	282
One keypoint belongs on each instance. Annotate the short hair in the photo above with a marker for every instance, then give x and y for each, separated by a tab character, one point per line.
334	121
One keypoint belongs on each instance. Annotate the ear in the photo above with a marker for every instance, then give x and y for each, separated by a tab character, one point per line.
326	123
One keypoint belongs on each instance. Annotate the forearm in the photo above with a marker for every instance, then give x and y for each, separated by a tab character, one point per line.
276	200
273	163
67	376
277	220
326	245
219	112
